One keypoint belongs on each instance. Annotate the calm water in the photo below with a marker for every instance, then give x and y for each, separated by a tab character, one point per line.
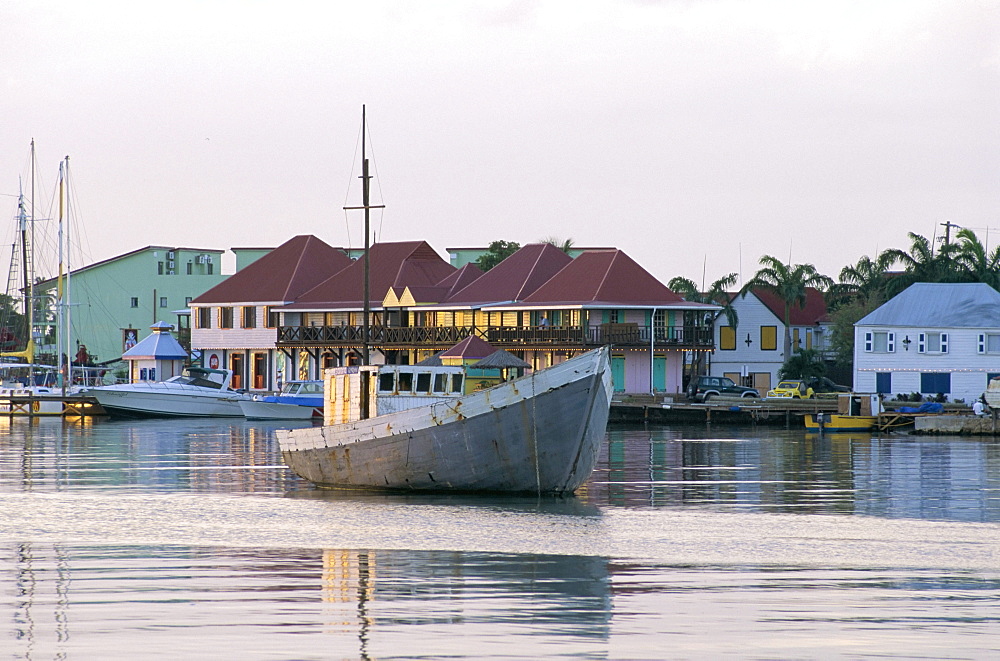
188	539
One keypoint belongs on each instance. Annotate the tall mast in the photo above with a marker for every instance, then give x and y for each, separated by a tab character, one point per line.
67	294
60	366
365	200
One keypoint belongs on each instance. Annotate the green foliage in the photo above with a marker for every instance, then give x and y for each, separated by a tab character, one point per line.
803	364
497	252
842	332
565	246
788	282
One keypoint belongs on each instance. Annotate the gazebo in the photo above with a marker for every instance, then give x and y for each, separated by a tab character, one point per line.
156	357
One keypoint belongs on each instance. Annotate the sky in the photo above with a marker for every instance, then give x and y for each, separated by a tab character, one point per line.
695	135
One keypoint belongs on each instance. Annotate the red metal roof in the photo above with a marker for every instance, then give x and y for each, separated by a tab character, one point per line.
470	347
610	277
400	264
282	274
516	277
813	312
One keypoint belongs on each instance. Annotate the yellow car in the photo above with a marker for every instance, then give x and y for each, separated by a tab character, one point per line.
790	389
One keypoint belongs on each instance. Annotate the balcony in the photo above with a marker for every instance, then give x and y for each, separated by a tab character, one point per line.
502	337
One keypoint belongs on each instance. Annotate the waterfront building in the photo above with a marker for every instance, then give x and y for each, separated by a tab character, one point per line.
110	302
932	338
235	324
752	353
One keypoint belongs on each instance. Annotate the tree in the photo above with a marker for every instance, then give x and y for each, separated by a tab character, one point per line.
788	282
565	246
865	281
717	294
973	261
921	264
497	252
804	364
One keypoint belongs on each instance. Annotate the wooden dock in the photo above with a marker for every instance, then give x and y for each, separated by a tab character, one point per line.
726	410
35	406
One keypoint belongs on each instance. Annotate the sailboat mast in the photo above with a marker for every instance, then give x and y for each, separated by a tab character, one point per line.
67	334
60	366
365	201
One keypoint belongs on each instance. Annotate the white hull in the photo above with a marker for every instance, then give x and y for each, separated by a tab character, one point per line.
255	410
537	434
168	400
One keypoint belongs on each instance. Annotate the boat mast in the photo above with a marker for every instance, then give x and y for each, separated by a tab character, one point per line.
60	367
364	200
367	206
67	334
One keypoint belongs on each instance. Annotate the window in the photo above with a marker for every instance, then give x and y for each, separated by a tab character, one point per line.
727	338
880	342
424	382
989	343
768	338
386	381
190	268
932	343
225	317
613	317
209	269
273	318
249	317
204	317
456	383
135	301
163	301
187	301
440	382
159	268
935	382
405	381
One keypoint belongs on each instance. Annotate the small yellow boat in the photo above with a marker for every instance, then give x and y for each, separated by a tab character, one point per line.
833	423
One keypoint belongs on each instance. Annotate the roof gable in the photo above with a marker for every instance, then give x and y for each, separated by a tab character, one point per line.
939	305
810	314
607	276
515	278
400	265
287	271
470	347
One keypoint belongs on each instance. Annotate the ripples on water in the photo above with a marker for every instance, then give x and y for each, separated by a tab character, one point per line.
181	539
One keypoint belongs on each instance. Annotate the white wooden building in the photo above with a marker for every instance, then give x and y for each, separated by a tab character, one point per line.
933	338
752	353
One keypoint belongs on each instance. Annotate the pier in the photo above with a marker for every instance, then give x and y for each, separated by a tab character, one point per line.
12	405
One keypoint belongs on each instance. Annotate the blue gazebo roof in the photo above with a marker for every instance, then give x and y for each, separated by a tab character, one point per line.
158	345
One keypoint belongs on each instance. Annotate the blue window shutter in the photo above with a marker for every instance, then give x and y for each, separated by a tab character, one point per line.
944	342
982	343
890	342
868	341
922	343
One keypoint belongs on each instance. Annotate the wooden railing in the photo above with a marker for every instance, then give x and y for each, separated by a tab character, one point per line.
506	337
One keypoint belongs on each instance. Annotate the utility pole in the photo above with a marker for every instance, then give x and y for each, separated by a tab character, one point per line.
947	225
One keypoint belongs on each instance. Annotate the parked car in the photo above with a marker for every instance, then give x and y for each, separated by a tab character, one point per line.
821	384
791	388
703	388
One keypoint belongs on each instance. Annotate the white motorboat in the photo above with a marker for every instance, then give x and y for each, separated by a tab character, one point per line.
297	400
197	392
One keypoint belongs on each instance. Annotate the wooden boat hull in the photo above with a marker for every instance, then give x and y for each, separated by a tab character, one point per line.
537	434
842	423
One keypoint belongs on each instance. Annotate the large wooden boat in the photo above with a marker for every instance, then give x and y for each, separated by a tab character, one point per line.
413	427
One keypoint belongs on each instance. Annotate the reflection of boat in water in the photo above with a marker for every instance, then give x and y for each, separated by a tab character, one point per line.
539	433
198	392
297	400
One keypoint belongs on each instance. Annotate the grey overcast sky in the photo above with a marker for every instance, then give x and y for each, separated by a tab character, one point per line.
695	135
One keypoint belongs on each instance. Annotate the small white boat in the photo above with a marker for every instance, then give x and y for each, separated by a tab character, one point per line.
297	400
197	392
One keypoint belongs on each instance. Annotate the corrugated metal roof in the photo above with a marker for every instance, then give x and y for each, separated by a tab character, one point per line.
608	276
940	305
287	271
470	347
516	277
160	345
811	313
399	264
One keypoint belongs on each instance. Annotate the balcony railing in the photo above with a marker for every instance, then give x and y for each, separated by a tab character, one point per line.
507	337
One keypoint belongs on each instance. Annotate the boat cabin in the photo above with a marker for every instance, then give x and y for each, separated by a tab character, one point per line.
357	393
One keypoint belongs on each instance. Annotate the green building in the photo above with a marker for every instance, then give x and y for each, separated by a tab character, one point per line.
112	303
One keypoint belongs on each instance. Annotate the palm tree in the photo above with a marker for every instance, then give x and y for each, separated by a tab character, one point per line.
864	282
565	246
788	282
921	264
717	294
974	262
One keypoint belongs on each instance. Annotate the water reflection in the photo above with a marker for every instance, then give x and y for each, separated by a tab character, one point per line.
951	478
191	602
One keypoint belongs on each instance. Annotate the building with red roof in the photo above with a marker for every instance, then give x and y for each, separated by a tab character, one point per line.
753	352
235	323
